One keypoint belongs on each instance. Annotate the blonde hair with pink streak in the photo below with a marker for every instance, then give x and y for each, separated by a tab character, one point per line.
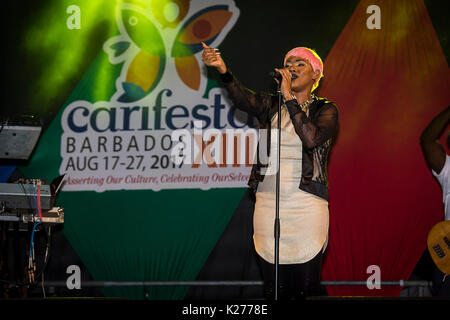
312	57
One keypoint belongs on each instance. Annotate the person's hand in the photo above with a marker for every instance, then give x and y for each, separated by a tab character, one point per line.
286	83
211	57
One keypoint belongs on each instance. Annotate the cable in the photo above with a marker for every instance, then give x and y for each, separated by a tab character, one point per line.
39	200
35	224
31	257
38	220
32	239
42	285
47	253
41	272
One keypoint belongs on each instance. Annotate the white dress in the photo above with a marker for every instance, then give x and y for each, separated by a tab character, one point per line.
304	217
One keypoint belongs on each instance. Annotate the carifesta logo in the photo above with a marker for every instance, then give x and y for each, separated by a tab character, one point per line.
126	141
160	36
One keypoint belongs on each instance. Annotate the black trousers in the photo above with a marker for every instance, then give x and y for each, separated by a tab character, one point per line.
295	281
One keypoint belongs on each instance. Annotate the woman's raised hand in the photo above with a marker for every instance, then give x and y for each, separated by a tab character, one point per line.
211	57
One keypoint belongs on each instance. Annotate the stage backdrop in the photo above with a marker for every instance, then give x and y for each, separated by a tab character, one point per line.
132	214
388	85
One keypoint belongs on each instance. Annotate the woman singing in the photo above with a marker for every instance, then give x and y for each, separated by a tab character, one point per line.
308	126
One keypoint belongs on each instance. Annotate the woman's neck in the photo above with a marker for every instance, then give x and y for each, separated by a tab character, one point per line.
302	96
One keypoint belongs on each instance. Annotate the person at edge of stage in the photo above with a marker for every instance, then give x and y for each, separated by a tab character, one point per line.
439	162
309	125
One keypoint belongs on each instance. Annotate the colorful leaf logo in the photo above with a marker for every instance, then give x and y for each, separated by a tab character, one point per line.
147	66
204	26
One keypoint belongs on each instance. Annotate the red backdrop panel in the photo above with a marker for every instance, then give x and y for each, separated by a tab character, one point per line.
388	84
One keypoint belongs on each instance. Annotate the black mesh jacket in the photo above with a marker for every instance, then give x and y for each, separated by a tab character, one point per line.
316	131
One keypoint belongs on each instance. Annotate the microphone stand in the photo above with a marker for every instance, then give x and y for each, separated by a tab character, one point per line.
277	196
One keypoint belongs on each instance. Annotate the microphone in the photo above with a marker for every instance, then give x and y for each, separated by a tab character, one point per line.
276	75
